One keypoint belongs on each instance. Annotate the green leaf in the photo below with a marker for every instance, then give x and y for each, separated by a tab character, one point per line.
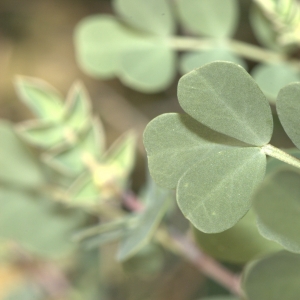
38	224
175	142
224	97
216	18
272	77
99	41
273	278
158	201
154	16
239	244
45	102
147	262
216	193
73	159
149	69
220	298
17	165
277	206
193	60
288	109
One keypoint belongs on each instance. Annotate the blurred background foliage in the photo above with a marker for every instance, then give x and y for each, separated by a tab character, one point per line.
62	148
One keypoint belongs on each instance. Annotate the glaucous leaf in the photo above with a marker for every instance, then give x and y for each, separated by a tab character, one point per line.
277	205
74	159
288	109
215	193
41	226
192	60
272	77
153	16
148	69
99	41
17	165
224	97
215	18
176	142
45	102
158	200
239	244
275	277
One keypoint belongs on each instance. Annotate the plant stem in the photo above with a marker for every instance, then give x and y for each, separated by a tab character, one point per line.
179	244
281	155
243	49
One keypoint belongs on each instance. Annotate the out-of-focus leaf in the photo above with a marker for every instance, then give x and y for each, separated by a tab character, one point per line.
74	159
149	69
272	77
224	97
277	206
40	97
157	200
153	16
275	277
220	298
239	244
216	193
39	225
26	292
17	165
147	262
288	109
216	18
193	60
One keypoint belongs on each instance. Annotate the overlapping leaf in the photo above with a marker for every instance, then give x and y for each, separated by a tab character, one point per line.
193	60
215	174
216	18
288	109
277	206
273	278
239	244
272	77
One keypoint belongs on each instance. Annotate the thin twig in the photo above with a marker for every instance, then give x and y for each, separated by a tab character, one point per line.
180	244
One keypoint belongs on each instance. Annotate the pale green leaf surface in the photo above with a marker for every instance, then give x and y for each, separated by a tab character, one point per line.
99	41
17	165
45	102
277	205
175	142
153	16
275	277
150	69
216	18
216	193
239	244
158	200
41	226
224	97
193	60
288	109
272	77
72	159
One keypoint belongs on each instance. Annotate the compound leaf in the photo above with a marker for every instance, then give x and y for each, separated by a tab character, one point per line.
216	192
40	97
273	278
288	109
272	77
216	18
224	97
153	16
175	142
277	206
